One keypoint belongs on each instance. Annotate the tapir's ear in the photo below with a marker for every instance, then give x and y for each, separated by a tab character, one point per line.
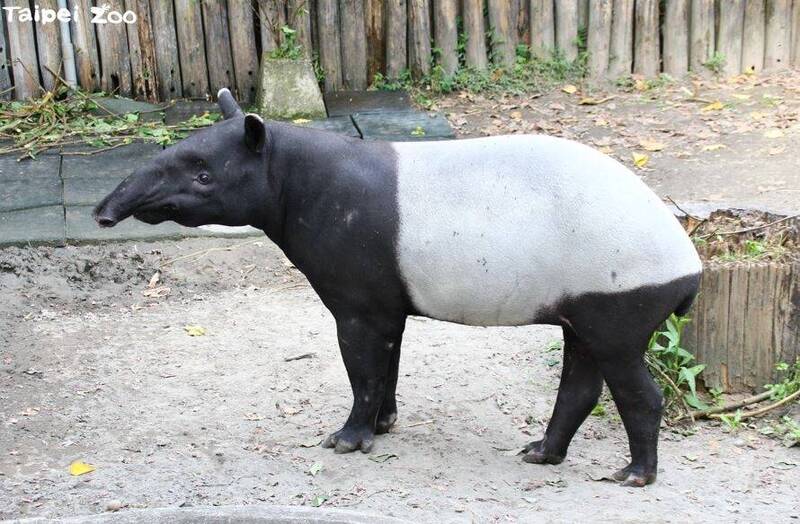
227	104
255	134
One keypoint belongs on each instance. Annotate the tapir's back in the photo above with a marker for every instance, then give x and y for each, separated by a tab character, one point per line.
493	231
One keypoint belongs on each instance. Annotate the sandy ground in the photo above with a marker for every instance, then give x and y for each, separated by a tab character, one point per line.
94	370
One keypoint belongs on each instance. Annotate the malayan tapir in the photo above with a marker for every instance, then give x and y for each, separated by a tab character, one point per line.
499	231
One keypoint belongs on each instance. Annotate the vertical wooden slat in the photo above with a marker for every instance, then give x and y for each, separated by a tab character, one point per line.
523	10
503	37
218	44
718	293
754	38
778	41
543	28
330	57
702	34
300	14
376	42
168	68
583	13
354	44
87	61
419	37
731	30
736	325
645	57
22	54
396	42
271	18
566	15
5	76
475	53
141	43
599	38
48	42
757	334
112	39
191	46
245	60
620	60
787	316
676	37
795	52
445	33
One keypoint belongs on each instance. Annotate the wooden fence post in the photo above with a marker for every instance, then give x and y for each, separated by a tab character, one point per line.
445	35
22	52
475	30
567	28
168	64
354	44
6	90
731	31
218	52
646	56
795	53
620	60
330	57
245	58
778	39
271	18
503	39
114	55
141	43
702	37
48	40
584	8
523	10
376	42
396	41
87	63
754	38
192	48
419	37
599	38
299	17
676	38
543	28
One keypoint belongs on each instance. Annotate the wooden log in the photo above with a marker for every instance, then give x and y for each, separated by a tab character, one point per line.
445	34
168	67
523	10
299	15
271	18
419	37
330	57
731	31
115	58
676	38
620	59
754	37
566	15
584	10
219	58
245	57
795	51
48	44
87	61
354	44
646	45
376	38
543	28
396	42
736	326
142	46
6	87
599	38
702	34
787	315
191	46
503	38
778	40
716	334
475	52
22	55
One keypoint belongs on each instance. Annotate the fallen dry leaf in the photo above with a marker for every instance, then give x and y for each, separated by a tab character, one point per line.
195	331
570	89
80	468
301	121
651	145
157	292
714	147
713	106
640	160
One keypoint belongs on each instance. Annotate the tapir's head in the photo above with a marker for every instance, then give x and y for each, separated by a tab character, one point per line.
213	177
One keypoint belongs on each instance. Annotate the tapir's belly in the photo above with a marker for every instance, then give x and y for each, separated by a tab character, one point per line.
495	231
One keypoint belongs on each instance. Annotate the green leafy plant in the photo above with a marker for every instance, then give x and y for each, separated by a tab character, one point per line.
734	421
790	383
289	48
716	63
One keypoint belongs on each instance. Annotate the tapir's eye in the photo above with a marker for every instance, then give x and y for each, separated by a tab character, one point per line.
204	178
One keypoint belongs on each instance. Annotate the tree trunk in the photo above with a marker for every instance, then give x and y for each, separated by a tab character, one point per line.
543	28
676	38
330	57
503	38
778	42
567	28
731	31
599	38
445	34
354	45
419	39
646	59
702	37
396	42
754	38
476	34
620	60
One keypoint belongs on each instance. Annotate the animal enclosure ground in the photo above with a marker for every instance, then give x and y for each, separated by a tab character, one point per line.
96	364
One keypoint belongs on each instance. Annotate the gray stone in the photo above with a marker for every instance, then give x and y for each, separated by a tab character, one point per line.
30	192
89	190
341	103
288	89
115	163
42	225
402	126
81	228
43	166
122	106
183	110
339	124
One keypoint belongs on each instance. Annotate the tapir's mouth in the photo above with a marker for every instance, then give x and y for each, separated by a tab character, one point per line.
156	215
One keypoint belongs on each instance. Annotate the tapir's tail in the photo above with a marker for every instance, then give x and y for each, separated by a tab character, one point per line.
686	304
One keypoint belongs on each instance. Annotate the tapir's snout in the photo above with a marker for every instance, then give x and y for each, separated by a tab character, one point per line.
125	200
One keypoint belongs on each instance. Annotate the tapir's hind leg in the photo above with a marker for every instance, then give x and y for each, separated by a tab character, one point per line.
581	384
387	415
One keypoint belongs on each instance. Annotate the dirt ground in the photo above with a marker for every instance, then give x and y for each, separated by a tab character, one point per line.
98	366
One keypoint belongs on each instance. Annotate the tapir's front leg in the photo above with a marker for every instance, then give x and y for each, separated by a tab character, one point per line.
367	345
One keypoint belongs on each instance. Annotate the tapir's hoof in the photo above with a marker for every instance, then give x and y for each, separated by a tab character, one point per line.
385	423
633	477
347	440
536	454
